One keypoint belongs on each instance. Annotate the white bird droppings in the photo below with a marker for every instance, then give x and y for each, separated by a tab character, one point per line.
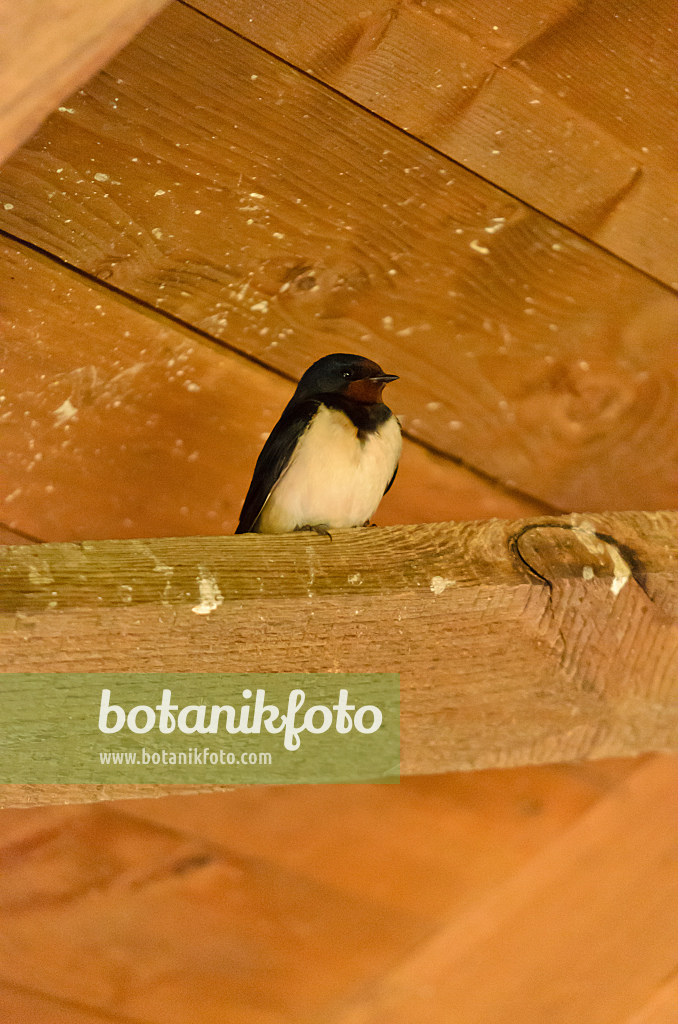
439	585
210	595
477	247
64	413
596	545
497	224
622	571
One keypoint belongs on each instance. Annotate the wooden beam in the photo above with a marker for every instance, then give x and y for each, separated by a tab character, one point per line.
536	641
50	48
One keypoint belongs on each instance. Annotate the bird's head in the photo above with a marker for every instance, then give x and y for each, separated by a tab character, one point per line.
354	376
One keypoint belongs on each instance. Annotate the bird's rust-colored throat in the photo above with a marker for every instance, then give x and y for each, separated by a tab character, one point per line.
367	391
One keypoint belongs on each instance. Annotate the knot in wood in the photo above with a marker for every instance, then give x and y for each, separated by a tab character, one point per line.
325	288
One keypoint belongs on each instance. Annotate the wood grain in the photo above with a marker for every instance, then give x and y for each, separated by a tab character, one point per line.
19	1006
541	361
571	107
119	423
590	629
425	850
662	1008
48	49
634	100
432	845
141	921
22	797
114	422
586	934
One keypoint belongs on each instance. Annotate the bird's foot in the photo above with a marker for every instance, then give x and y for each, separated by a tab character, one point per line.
318	528
368	523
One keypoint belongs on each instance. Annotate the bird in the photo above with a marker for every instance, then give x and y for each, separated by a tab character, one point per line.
331	456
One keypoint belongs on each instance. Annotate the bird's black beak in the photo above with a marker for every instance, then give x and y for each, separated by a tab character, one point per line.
384	378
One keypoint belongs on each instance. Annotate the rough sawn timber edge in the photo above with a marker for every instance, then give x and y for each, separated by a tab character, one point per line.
542	640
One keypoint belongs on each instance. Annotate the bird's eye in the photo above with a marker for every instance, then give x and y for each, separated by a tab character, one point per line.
346	373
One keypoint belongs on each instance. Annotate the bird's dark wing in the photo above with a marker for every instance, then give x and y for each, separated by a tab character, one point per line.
390	483
273	460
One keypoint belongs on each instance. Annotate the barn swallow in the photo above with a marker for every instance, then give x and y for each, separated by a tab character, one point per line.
331	456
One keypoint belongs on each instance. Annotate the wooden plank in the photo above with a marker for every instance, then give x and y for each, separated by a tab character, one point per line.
140	921
8	536
662	1008
20	825
524	351
499	666
427	848
48	49
116	422
18	1006
431	846
585	934
635	99
508	91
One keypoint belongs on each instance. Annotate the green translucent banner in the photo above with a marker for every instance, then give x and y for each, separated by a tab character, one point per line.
203	727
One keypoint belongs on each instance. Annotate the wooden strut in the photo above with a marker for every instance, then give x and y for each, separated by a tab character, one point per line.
50	50
517	643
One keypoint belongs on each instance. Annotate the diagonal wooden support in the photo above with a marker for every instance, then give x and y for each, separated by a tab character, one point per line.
586	932
518	643
50	48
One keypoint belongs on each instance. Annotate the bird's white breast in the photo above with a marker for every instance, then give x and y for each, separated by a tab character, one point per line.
334	478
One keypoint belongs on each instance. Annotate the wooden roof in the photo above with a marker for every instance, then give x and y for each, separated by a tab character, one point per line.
202	220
